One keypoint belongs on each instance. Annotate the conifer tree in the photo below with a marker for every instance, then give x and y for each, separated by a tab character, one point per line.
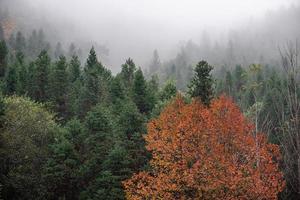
10	81
140	92
21	73
1	33
201	84
74	69
95	77
20	43
3	58
42	66
59	86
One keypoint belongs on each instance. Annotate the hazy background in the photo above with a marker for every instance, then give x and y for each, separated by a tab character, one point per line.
134	28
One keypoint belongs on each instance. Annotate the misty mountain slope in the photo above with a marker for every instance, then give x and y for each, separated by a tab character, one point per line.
255	42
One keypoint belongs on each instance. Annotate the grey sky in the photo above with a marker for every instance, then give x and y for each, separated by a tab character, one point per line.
133	28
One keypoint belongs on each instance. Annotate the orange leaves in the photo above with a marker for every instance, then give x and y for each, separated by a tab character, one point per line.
206	153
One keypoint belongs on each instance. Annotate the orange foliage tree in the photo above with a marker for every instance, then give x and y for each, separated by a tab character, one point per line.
201	152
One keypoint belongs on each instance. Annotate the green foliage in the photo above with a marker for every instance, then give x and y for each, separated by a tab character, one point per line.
58	86
3	58
10	81
201	84
25	149
41	79
140	92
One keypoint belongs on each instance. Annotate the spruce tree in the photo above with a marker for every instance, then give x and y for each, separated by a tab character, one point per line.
1	33
20	43
3	58
74	69
11	81
94	80
140	92
59	86
21	73
42	77
201	85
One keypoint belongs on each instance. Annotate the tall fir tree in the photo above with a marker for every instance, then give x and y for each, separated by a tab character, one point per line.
93	82
74	69
20	43
42	65
140	92
11	81
59	86
3	58
21	73
201	85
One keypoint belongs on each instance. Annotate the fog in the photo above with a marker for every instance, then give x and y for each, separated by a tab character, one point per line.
134	28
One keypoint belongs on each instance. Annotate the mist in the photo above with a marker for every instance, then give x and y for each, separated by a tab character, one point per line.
135	28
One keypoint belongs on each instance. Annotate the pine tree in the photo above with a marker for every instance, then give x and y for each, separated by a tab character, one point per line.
3	58
59	86
58	51
20	44
155	63
10	81
201	84
127	73
1	33
74	69
140	92
41	76
21	73
95	76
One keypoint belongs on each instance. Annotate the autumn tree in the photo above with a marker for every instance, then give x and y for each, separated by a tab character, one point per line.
201	152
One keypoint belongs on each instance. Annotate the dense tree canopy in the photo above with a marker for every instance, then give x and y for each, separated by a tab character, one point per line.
206	153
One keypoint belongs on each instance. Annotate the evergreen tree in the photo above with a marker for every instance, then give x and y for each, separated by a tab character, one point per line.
95	77
72	51
3	58
58	51
98	143
59	86
140	92
42	76
20	44
127	73
31	82
201	84
1	33
74	69
11	81
21	73
155	63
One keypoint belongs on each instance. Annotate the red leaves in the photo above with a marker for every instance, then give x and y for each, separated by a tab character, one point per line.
206	153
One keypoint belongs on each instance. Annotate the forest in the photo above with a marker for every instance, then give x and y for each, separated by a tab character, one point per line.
215	121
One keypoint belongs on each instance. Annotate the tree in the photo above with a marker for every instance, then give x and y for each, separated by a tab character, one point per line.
127	73
60	173
3	55
58	51
95	78
22	73
26	138
201	84
140	92
11	81
20	43
41	78
74	69
201	152
1	33
97	146
155	63
59	86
